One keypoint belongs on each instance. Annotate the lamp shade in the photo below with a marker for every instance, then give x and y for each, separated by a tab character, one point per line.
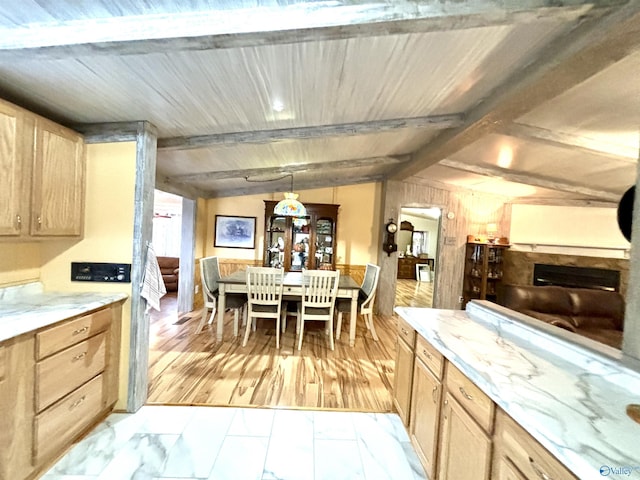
290	206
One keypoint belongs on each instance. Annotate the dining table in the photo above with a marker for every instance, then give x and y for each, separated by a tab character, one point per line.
348	288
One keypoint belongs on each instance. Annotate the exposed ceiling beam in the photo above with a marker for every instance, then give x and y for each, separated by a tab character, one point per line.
108	132
594	45
268	172
569	141
178	189
299	133
268	187
562	202
529	179
295	22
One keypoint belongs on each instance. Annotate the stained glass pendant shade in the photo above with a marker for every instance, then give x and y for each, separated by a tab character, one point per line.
290	206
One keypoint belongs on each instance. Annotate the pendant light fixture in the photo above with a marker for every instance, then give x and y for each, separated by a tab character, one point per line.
290	206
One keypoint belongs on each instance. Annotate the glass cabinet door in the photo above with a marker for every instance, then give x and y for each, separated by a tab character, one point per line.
325	244
300	244
275	241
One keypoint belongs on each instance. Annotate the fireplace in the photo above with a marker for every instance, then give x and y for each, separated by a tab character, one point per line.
576	277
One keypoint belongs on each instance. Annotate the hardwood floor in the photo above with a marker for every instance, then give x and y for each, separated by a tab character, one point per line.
185	368
411	293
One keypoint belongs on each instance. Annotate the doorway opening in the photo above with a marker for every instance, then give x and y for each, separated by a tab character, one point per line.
418	239
166	236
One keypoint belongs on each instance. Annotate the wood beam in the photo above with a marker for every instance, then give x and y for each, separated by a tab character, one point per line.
595	44
269	187
298	22
562	202
182	190
528	179
300	133
109	132
569	141
285	169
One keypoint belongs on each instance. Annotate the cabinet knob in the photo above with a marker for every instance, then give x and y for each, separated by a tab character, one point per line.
426	354
19	221
433	394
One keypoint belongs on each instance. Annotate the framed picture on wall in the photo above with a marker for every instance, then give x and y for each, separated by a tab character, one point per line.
235	232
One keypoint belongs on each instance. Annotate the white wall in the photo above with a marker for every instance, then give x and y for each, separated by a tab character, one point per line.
588	231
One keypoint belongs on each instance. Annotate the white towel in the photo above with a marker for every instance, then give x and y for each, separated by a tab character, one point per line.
153	288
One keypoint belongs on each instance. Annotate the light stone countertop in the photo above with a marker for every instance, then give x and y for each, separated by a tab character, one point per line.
570	398
26	308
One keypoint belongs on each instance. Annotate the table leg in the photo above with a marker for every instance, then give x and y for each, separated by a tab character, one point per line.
220	313
353	318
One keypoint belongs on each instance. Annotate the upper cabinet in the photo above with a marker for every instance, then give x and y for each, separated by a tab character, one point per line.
301	243
43	184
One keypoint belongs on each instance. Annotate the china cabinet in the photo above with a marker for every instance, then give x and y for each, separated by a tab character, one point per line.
301	243
483	268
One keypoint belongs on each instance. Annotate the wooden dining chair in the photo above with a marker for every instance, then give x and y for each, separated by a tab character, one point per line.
210	275
264	295
366	298
319	291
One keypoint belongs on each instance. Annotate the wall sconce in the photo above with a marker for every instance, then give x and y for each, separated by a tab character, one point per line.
390	230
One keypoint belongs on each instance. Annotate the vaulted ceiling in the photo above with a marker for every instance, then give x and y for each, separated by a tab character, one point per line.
535	99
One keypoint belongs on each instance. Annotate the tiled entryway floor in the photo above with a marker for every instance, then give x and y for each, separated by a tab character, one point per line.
226	443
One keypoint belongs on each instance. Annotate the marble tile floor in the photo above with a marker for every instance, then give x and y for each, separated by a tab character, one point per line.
226	443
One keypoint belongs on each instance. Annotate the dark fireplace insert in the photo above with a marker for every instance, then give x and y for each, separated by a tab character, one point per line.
576	277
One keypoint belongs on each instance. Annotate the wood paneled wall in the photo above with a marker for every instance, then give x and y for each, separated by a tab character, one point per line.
518	266
471	212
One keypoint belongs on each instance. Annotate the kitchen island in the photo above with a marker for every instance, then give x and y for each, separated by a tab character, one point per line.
570	396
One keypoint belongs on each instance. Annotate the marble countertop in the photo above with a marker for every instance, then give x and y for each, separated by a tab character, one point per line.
27	307
570	398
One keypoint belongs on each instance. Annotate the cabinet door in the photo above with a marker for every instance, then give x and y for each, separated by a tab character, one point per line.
276	239
425	415
300	245
15	142
324	251
402	380
58	181
503	469
465	452
16	407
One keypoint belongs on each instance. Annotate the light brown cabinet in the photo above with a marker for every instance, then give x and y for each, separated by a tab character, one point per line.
518	456
403	377
465	452
456	429
43	184
57	383
425	404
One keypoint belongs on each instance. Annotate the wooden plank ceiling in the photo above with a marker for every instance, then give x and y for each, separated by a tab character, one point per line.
531	99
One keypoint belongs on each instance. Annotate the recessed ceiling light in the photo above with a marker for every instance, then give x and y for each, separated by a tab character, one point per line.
277	105
505	156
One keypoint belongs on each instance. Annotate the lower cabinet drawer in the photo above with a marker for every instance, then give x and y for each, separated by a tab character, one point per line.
59	424
472	399
68	333
431	357
61	373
